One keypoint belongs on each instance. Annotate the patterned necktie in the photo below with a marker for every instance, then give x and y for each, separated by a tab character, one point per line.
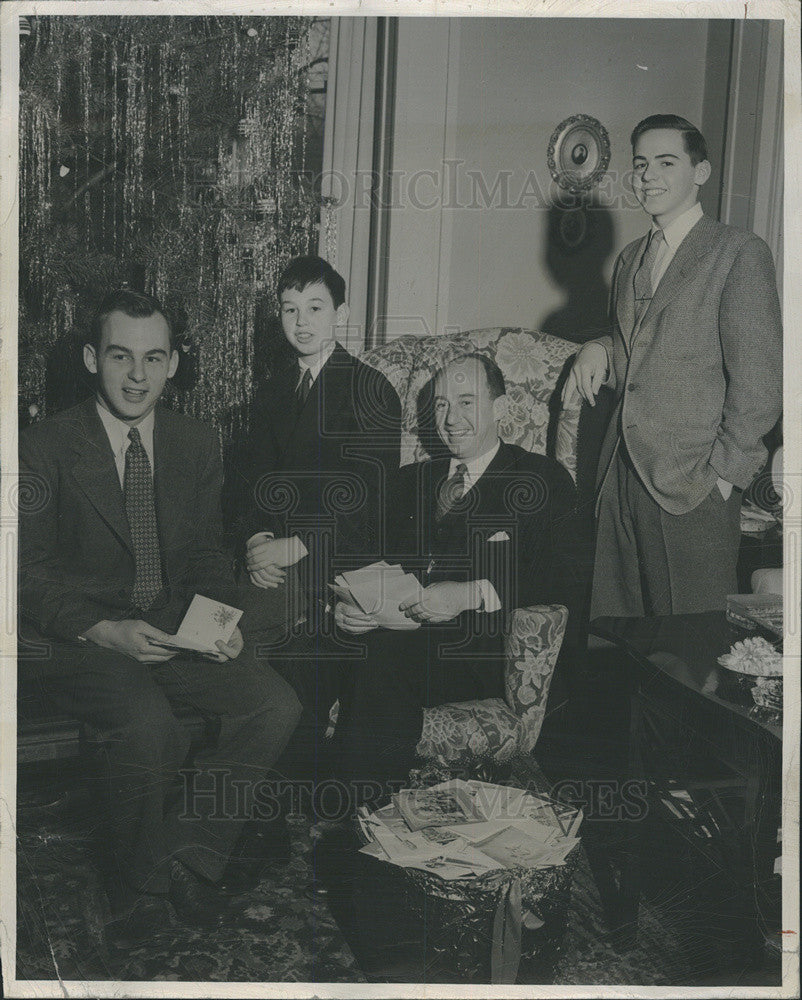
643	276
451	492
141	509
302	391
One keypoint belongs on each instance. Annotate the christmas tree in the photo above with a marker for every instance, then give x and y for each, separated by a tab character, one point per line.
179	155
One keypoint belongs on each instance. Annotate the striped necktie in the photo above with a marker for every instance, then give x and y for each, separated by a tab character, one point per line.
643	276
140	505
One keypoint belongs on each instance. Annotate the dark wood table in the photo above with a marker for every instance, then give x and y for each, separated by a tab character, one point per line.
693	727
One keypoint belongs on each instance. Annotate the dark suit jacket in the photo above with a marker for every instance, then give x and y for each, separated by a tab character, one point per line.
529	498
326	471
76	557
701	382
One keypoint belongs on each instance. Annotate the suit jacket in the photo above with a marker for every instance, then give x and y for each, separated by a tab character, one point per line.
76	556
527	501
328	469
701	381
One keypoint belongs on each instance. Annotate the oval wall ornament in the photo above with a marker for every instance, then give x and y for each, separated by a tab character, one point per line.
579	153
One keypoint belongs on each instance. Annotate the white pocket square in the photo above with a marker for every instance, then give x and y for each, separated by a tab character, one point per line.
500	536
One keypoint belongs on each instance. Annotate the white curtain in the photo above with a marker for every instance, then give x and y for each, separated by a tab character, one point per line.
348	162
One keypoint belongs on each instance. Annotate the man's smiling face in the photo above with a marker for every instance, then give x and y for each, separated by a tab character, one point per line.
132	363
664	180
464	409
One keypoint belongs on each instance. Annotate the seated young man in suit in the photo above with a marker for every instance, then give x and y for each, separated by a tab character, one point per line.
487	529
128	531
326	437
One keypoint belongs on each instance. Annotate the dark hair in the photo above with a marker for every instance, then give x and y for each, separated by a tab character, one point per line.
138	305
303	271
694	141
495	380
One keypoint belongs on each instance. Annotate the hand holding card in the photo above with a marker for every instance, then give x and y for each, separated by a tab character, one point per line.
205	623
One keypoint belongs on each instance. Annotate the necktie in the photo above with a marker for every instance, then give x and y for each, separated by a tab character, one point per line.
643	276
302	391
451	491
141	509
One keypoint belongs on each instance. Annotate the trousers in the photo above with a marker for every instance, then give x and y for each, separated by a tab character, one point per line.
131	709
403	673
649	562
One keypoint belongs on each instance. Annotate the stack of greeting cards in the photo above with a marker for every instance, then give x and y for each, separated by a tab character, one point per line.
461	828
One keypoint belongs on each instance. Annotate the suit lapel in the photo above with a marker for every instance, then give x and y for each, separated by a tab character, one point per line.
490	500
96	473
283	422
329	399
169	475
625	299
335	388
680	271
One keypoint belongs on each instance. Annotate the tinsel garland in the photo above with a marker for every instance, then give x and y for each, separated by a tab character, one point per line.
169	153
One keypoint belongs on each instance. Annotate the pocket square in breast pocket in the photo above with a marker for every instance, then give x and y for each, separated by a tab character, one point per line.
500	536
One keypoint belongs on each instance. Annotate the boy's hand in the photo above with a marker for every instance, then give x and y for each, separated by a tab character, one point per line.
266	558
133	638
587	375
261	561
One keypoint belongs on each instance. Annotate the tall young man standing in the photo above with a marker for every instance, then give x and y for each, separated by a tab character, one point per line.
695	360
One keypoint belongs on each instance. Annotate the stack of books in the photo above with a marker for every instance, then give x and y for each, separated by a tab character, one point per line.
463	828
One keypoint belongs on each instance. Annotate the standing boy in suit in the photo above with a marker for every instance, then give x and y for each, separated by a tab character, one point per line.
326	439
695	360
488	529
128	530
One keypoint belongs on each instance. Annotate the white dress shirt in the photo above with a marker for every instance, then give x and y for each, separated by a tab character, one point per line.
117	432
315	362
673	234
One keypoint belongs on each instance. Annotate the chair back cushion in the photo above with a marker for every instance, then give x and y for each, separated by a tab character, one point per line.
394	361
532	365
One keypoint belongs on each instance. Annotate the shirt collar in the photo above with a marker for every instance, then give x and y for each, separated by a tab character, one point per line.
315	364
675	232
117	430
476	466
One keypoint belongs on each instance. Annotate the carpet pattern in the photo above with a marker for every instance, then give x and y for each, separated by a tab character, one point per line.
277	933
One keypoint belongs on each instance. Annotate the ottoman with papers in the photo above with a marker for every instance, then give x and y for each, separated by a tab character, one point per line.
479	873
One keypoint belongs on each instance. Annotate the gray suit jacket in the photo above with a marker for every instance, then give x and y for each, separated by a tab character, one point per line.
701	381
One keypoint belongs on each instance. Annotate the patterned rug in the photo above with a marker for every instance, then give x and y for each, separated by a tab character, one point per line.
273	934
276	933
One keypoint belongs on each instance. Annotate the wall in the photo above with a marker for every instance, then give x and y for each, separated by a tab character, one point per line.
485	95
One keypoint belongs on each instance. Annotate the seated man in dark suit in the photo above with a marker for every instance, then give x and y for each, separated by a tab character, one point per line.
128	531
325	442
488	529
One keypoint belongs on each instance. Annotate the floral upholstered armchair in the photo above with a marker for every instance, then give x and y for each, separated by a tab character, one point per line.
456	734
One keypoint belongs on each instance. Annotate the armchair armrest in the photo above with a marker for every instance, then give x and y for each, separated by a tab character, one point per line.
531	647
